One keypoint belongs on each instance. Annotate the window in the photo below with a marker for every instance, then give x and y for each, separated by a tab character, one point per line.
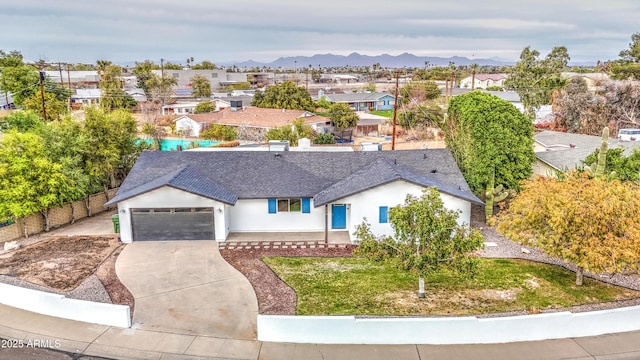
283	205
295	204
384	214
214	75
289	205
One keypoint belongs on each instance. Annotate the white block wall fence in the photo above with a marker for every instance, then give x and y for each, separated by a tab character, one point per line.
59	306
445	330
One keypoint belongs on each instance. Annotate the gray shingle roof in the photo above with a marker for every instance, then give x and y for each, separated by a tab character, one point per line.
231	175
562	156
187	179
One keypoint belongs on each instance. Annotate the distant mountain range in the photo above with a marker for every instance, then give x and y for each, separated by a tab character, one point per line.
355	59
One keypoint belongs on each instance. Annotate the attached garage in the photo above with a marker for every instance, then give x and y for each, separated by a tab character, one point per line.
173	224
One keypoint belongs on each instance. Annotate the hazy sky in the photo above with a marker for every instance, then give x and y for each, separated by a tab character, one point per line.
238	30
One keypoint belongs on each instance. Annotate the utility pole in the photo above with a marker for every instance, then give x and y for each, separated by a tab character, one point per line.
395	110
41	75
69	85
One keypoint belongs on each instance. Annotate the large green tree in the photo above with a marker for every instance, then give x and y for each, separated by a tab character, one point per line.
142	71
628	66
590	222
297	130
16	77
284	96
343	116
113	96
487	134
536	79
160	87
204	65
427	237
201	87
30	182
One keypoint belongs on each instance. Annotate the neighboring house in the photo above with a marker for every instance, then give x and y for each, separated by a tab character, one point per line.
560	152
6	101
180	108
76	79
217	78
137	94
483	81
249	117
363	101
369	124
87	97
208	195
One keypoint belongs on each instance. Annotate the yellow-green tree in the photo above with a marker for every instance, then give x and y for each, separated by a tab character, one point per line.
590	222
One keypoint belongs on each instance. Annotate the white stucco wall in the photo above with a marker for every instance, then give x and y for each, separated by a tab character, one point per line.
367	204
59	306
253	215
168	197
190	127
445	330
543	169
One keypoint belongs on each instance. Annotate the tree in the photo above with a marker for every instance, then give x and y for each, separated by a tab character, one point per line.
628	66
22	121
487	134
427	237
205	107
66	143
160	88
590	222
370	87
219	132
425	114
204	65
16	77
581	110
419	91
342	116
284	96
535	80
29	181
201	87
113	96
143	71
244	85
294	132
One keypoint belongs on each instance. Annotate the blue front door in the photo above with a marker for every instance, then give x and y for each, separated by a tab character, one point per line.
339	216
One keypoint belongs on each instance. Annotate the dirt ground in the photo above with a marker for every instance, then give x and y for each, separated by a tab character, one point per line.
62	263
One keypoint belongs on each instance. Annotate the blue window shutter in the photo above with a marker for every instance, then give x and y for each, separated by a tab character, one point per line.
384	214
306	205
272	206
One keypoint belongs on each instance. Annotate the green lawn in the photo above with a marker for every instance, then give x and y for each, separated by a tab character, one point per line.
351	286
385	113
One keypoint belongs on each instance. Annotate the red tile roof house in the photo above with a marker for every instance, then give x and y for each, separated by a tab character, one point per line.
255	118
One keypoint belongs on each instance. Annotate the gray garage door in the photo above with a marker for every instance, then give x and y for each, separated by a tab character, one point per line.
172	224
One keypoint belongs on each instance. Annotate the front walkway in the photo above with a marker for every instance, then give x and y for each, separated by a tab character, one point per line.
334	237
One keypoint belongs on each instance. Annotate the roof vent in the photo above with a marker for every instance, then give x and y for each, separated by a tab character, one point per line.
371	146
278	145
434	171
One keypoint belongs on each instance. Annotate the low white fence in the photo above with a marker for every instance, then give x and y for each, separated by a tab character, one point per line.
59	306
445	330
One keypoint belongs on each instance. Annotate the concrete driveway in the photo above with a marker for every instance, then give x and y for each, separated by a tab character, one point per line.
186	287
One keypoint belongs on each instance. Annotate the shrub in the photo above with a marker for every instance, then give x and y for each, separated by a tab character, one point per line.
324	139
219	132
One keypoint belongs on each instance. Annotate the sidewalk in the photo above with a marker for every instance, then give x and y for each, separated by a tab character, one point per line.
96	340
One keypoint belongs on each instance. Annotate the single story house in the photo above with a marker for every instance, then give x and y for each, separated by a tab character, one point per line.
483	81
248	117
208	195
87	97
560	151
364	101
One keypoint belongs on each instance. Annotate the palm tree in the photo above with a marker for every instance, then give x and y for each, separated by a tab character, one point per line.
474	67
